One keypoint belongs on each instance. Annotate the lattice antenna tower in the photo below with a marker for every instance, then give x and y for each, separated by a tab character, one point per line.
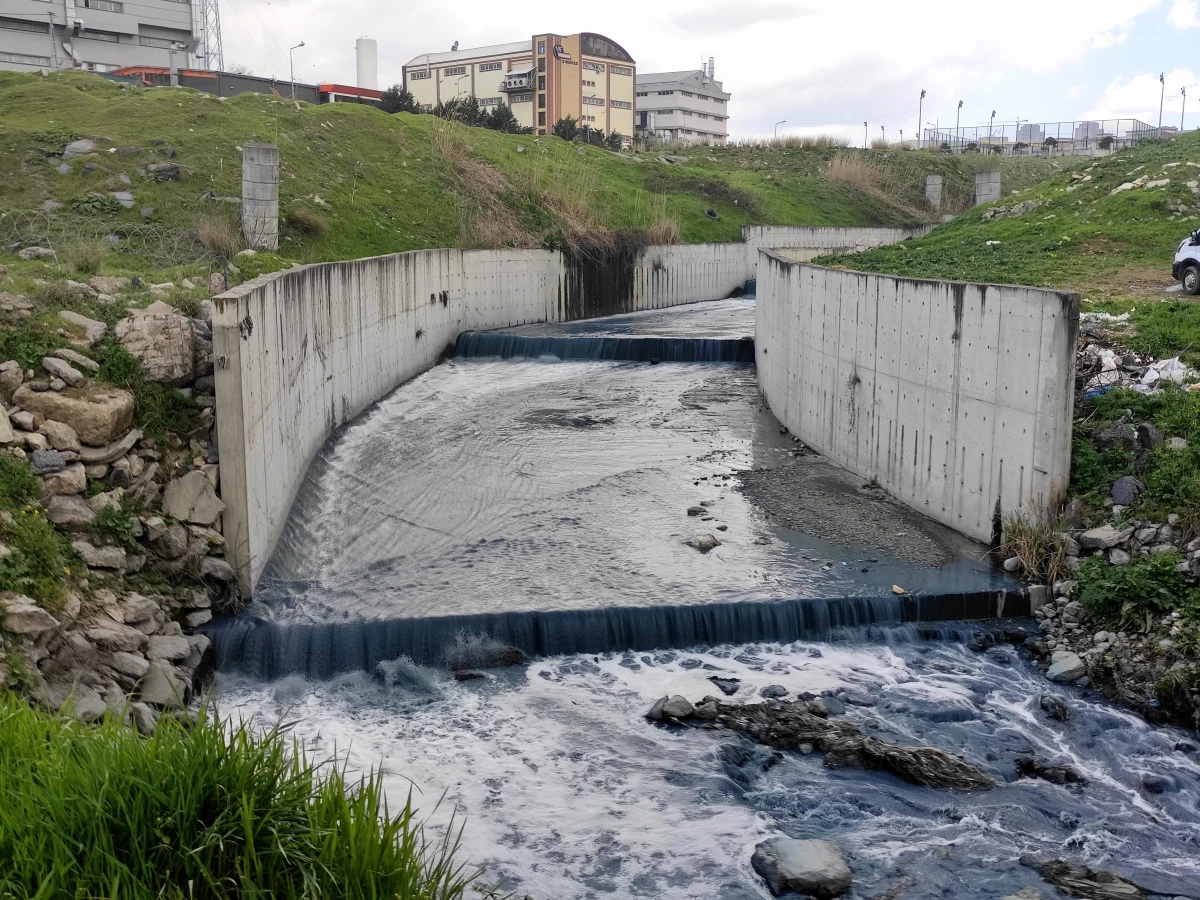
210	24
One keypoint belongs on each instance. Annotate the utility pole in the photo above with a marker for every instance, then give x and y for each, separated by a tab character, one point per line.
1182	109
777	124
883	135
53	50
292	68
864	135
920	107
1162	79
957	130
991	122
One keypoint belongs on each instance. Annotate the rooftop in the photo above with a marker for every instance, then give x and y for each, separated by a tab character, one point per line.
514	49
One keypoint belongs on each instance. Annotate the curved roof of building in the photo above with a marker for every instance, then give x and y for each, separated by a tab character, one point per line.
517	48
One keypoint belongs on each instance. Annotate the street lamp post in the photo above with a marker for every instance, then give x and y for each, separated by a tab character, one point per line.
864	135
777	124
920	107
991	122
1162	79
1182	109
957	131
292	68
883	135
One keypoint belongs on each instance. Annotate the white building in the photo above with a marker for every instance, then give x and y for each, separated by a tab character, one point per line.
686	107
98	35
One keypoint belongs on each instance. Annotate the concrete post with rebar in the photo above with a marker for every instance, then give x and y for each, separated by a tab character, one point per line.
260	196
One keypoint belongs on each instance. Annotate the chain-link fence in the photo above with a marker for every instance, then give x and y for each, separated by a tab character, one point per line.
1080	138
158	245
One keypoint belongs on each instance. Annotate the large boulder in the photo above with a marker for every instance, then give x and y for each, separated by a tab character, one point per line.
69	512
813	868
20	615
93	330
192	499
98	413
1104	537
161	337
1066	666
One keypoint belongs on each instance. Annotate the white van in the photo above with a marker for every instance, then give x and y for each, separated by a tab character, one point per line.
1186	267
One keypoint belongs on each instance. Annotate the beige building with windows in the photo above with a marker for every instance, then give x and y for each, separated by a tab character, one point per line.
585	76
686	107
98	35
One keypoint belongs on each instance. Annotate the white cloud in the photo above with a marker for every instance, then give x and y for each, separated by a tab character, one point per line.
804	61
1139	96
1184	14
1107	39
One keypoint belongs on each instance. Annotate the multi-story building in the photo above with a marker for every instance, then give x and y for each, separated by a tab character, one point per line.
685	107
98	35
585	76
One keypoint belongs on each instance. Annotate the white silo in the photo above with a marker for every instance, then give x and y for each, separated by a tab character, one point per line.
368	63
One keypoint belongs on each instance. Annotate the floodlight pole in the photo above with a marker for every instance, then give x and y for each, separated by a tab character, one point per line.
292	68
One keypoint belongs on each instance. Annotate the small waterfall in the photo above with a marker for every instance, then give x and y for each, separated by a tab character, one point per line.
505	345
269	649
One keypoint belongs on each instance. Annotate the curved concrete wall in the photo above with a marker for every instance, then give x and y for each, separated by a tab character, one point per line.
802	243
300	353
957	398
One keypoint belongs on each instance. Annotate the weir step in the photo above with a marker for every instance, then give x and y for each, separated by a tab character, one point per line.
268	649
502	345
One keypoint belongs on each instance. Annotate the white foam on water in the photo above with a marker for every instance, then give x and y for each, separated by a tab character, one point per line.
567	791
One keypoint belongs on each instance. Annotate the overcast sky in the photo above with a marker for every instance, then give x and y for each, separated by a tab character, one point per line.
821	66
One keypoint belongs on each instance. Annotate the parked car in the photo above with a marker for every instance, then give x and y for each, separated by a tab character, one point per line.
1186	267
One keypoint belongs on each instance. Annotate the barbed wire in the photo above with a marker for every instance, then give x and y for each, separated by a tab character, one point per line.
160	245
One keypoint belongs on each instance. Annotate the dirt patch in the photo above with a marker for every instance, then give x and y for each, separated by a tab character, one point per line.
813	497
1126	281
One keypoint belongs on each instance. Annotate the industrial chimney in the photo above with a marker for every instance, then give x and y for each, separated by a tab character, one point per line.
367	52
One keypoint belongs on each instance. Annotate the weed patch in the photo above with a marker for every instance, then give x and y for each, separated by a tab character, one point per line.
1132	596
39	556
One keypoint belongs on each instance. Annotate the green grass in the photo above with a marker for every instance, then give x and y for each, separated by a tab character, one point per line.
39	557
1082	237
1133	596
209	810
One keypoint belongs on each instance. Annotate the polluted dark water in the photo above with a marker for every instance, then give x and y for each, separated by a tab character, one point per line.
545	501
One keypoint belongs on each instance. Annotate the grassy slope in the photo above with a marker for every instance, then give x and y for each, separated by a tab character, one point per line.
384	183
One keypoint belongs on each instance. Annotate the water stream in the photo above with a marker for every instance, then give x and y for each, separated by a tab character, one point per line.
545	501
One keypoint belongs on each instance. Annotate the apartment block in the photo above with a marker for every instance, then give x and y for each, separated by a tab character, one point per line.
689	107
585	76
98	35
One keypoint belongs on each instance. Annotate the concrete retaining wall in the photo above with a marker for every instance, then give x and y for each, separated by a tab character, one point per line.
804	243
300	353
957	397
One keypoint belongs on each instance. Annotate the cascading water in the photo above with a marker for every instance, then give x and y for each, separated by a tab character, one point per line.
546	504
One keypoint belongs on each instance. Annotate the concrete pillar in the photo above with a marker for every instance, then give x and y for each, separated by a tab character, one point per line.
987	187
933	191
260	196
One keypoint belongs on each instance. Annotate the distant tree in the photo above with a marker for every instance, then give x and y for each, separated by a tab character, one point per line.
501	119
971	147
1019	146
1050	142
466	110
1106	142
566	128
398	99
615	141
238	69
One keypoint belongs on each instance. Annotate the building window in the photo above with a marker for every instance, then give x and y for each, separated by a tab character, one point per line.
541	101
594	45
541	65
686	112
490	67
621	104
521	98
490	101
541	48
687	93
105	5
541	82
426	107
541	118
595	67
160	43
22	25
620	70
643	94
665	93
455	70
24	59
413	76
593	101
101	36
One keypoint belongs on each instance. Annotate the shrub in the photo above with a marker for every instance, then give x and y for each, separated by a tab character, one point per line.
27	345
38	557
96	204
1131	596
18	484
219	235
307	221
1038	544
566	128
85	257
160	408
664	231
210	810
113	525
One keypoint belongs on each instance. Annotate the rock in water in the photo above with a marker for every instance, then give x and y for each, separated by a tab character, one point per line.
728	686
814	868
1028	767
677	708
789	726
1055	708
1066	666
704	541
1080	881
